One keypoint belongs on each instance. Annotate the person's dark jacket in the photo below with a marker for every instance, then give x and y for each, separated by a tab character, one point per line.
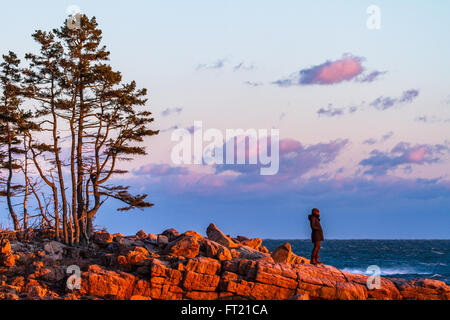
317	233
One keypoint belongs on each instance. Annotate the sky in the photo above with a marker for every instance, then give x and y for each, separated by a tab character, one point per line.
363	114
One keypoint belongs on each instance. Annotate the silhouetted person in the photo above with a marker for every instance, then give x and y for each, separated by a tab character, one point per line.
316	235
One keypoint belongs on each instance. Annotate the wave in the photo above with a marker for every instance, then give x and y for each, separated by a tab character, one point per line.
441	264
386	271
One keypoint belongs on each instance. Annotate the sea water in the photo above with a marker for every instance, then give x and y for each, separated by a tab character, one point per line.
407	259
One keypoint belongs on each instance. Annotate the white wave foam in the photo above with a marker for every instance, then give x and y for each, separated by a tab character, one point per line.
434	264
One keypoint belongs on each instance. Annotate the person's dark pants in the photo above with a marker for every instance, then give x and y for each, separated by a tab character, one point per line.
315	252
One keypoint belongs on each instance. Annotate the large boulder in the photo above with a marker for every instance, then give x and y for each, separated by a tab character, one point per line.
7	258
244	252
102	283
135	258
162	241
141	234
54	247
218	236
102	238
5	247
54	250
242	238
52	274
193	233
263	249
137	255
171	234
186	246
284	254
216	251
152	237
201	274
252	243
423	289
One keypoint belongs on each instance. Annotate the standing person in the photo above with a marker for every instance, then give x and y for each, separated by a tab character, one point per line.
316	234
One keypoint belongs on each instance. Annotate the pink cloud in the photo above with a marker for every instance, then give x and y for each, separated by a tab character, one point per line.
289	145
379	163
347	68
417	155
338	71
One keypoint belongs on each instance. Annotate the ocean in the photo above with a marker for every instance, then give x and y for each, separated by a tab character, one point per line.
407	259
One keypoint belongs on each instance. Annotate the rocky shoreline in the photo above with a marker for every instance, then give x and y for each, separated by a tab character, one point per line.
187	266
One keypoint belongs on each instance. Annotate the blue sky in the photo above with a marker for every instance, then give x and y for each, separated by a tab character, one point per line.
375	169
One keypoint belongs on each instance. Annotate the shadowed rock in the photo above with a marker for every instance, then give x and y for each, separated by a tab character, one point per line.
162	241
141	234
171	234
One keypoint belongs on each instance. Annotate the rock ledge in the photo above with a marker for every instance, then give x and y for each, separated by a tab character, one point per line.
183	266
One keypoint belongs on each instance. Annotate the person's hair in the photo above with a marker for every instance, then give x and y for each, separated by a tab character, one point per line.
315	210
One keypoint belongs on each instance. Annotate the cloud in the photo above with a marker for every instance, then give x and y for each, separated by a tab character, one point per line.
169	111
387	136
295	160
384	138
370	141
253	83
381	103
174	127
216	65
379	163
447	100
432	119
348	68
384	103
333	187
374	75
422	119
160	170
409	95
241	66
330	111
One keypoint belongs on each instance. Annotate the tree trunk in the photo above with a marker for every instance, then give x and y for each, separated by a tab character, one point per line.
80	170
60	176
25	197
76	221
8	183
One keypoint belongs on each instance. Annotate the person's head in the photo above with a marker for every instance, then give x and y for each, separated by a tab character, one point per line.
315	211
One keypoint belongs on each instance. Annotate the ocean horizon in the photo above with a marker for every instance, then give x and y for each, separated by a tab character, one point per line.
400	258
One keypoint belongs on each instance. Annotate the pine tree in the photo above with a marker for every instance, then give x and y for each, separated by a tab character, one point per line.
13	123
74	87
